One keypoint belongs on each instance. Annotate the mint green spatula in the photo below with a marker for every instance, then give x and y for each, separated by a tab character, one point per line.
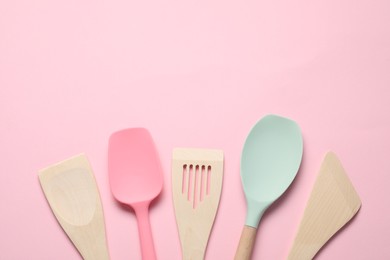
270	160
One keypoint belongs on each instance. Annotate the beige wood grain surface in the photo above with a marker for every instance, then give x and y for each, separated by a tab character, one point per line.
197	176
70	189
332	203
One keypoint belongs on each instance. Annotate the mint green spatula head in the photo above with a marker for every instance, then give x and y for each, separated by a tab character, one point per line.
270	160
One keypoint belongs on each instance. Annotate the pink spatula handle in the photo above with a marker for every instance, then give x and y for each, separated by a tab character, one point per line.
145	233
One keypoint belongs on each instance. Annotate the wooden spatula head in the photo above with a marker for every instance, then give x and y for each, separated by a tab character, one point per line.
197	176
70	189
332	203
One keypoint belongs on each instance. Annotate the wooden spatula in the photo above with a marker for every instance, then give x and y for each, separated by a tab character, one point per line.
332	203
70	189
197	176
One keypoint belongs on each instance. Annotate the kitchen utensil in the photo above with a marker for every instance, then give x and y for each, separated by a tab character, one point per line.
136	178
270	160
70	189
332	203
197	176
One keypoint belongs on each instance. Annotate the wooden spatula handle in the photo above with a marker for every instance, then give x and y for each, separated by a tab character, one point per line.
92	243
245	246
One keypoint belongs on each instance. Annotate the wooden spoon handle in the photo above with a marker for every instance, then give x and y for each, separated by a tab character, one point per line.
245	246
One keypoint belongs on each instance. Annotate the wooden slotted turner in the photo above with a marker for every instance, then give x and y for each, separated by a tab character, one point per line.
332	203
70	189
197	176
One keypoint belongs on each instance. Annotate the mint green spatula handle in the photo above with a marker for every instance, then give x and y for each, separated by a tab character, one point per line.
245	246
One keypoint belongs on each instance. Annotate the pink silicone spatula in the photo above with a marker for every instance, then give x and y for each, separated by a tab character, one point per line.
135	178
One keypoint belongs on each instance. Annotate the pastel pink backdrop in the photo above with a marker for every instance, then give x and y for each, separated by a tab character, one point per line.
196	74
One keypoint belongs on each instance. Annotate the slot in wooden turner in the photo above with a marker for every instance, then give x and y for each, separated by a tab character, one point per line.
197	176
332	203
70	189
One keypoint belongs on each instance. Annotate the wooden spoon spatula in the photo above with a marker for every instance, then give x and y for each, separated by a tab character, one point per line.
197	176
70	189
332	203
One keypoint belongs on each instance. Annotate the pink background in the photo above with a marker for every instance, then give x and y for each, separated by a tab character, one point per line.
196	73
